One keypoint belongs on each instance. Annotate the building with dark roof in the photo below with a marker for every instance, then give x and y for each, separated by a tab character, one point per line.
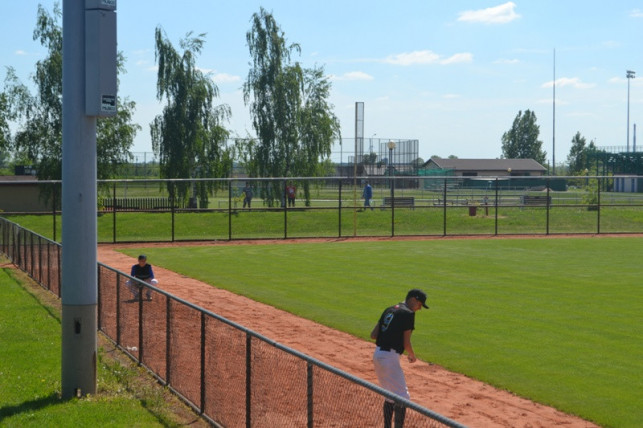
487	167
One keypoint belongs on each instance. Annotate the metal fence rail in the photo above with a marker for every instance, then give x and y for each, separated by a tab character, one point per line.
332	207
232	376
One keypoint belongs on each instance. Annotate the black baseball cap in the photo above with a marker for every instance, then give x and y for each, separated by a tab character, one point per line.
419	295
142	257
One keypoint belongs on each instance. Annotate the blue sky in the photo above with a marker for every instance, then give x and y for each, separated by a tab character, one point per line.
452	74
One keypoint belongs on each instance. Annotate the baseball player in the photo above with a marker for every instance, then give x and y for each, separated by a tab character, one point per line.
392	335
142	270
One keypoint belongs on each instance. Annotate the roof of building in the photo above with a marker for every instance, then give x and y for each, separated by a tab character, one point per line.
487	164
18	178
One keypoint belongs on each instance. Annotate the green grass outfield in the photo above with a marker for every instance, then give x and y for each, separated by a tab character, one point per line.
30	383
558	321
425	220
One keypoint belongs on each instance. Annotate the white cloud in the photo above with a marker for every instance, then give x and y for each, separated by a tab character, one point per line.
506	61
457	58
21	52
225	78
352	75
501	14
574	82
450	96
415	57
636	13
426	57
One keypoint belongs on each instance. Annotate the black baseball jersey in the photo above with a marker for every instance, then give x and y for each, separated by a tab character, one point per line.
395	320
142	272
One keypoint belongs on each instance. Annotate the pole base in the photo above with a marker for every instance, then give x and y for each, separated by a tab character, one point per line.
79	335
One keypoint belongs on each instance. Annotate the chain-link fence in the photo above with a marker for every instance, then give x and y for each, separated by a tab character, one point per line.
153	210
232	376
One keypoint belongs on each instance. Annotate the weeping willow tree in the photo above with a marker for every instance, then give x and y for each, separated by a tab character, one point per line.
38	116
291	115
188	137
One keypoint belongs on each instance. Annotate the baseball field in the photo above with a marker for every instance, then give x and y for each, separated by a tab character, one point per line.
555	320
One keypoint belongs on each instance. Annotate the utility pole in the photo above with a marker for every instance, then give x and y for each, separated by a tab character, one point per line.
630	75
89	91
553	138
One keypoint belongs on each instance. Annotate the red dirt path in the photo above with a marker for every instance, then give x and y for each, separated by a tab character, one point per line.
453	395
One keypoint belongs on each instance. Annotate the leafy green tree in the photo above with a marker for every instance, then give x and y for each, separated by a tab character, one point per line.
577	157
188	136
39	137
521	141
293	120
5	133
417	164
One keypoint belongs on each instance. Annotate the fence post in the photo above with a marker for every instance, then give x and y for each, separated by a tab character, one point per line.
49	266
393	205
496	203
309	382
230	210
339	234
598	206
248	380
172	199
53	208
140	325
40	260
285	205
548	206
32	256
168	338
59	261
99	324
114	213
444	209
203	383
118	309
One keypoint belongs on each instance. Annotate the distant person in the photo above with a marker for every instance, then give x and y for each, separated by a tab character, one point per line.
367	194
247	195
291	193
143	271
392	335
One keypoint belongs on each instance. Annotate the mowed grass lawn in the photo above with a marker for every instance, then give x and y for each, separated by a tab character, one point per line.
556	320
30	376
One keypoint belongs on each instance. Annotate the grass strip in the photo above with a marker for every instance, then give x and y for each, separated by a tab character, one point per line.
30	374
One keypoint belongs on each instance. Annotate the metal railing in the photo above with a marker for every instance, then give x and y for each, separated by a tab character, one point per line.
333	208
230	375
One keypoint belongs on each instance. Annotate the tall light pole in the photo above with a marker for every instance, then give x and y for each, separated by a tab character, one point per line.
630	75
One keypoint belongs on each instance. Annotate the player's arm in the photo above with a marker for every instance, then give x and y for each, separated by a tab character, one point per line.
375	331
408	347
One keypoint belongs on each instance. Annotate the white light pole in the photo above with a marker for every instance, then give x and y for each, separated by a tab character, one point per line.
630	75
